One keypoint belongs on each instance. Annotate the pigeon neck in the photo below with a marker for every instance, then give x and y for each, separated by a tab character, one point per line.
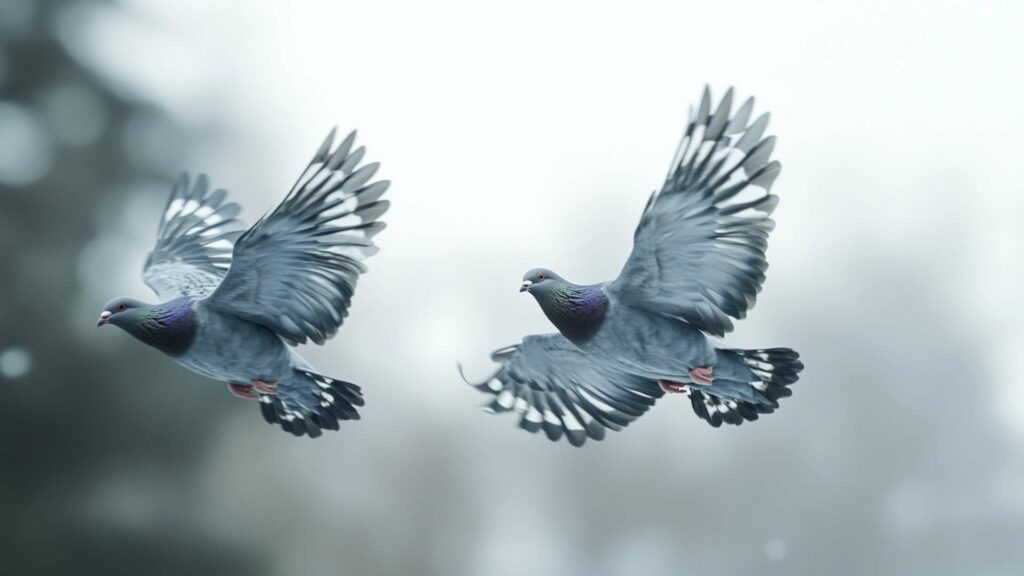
577	311
169	327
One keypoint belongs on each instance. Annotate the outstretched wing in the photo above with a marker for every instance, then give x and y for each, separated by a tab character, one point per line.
295	270
699	250
193	245
555	387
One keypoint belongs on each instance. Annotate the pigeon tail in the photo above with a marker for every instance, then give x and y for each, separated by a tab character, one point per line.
733	400
306	402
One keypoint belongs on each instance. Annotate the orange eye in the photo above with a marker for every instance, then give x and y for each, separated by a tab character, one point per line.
121	307
540	277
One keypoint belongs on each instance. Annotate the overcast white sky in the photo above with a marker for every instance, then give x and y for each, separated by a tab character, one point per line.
530	135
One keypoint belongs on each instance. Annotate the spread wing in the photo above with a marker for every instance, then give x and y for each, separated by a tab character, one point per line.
296	269
556	388
193	245
699	250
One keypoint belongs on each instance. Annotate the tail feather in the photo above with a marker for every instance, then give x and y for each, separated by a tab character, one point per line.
773	370
307	403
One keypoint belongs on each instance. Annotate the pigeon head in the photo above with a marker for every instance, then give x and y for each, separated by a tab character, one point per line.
577	311
120	311
541	281
169	327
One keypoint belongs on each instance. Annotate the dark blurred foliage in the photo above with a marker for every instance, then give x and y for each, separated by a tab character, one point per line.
63	425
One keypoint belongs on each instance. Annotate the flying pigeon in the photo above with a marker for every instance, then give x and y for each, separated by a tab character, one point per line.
231	302
698	260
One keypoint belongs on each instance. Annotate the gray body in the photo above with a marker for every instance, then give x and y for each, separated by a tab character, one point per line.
230	349
639	342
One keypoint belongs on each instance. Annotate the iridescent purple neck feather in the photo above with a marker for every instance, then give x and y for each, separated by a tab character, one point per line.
169	327
577	311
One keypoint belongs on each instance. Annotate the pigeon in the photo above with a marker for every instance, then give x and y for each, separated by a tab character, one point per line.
698	261
233	302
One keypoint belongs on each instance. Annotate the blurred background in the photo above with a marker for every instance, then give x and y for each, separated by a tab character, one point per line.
517	136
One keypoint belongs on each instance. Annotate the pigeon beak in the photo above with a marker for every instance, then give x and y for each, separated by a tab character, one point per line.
104	317
526	286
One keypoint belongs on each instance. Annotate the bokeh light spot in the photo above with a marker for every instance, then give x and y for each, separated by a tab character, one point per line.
15	363
775	549
32	156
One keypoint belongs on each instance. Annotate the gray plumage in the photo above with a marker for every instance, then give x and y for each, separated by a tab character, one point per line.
232	301
558	389
698	261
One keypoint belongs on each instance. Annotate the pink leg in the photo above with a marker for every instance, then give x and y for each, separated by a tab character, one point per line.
701	375
264	387
671	387
241	391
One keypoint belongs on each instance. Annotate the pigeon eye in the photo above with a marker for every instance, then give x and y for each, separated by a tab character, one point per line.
540	277
121	307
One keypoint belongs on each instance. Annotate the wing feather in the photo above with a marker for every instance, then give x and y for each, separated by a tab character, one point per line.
556	388
295	271
194	239
699	250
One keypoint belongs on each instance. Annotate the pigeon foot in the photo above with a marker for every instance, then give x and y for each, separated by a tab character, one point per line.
241	391
671	387
264	387
701	375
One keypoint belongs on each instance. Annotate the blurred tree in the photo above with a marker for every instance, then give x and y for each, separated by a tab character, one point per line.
97	450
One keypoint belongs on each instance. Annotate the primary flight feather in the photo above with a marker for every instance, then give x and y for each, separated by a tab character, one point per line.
698	261
232	301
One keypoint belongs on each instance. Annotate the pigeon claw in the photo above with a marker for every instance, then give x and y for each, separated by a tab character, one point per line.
670	387
701	375
241	391
264	387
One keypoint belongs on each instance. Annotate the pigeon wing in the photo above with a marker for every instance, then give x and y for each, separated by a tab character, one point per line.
555	387
296	269
193	246
699	250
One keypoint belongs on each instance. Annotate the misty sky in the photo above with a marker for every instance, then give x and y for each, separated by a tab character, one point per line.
530	135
